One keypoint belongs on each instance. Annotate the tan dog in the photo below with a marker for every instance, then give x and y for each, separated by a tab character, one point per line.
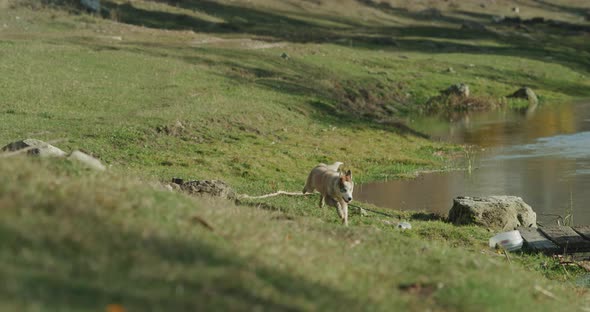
334	187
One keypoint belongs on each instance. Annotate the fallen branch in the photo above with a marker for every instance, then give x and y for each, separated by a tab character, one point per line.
246	196
203	222
546	292
373	211
507	256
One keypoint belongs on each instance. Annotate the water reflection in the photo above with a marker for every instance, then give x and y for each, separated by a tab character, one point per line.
543	157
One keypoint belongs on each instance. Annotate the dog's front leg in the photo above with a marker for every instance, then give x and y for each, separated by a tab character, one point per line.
322	201
342	210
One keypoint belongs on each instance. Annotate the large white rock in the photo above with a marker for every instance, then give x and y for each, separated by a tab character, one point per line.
35	147
496	212
87	160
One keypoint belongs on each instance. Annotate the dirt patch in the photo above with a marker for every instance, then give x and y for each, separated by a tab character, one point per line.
420	289
185	131
374	100
215	188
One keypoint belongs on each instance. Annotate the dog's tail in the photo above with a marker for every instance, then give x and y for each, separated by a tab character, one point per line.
335	166
308	184
307	187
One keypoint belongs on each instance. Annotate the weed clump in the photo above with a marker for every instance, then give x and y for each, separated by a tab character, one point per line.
457	98
457	103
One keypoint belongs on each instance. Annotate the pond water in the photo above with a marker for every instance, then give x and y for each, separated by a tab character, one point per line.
541	155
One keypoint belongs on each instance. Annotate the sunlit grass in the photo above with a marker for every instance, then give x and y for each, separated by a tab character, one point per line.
204	92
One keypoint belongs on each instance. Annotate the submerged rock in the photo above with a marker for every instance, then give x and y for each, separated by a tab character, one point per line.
496	212
525	93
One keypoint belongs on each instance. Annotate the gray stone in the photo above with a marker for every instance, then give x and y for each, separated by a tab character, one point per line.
214	188
404	226
460	89
525	93
87	160
35	147
496	212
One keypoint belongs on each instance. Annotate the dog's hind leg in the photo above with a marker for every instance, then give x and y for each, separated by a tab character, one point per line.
308	188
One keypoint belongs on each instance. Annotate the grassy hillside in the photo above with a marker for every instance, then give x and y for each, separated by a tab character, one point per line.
77	241
199	88
256	93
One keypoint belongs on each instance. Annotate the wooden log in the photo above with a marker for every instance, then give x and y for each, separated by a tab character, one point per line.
566	238
535	241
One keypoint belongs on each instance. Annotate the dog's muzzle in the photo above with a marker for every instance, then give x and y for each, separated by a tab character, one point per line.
348	200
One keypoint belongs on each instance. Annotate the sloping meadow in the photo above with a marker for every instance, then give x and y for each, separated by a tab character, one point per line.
74	240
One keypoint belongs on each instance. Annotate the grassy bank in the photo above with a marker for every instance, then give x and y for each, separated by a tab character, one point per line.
205	92
78	241
256	93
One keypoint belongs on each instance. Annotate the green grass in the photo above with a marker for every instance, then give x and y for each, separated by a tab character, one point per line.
79	241
198	89
246	111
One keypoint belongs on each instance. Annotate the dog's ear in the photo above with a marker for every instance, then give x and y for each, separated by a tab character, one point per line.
348	176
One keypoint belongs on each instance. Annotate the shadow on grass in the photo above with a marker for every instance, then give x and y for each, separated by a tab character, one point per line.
560	7
427	216
142	273
235	19
252	21
342	117
338	102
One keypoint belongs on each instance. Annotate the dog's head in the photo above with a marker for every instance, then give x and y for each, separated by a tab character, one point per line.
346	186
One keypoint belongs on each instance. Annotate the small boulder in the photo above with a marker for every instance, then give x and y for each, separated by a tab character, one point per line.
527	94
87	160
496	212
35	147
214	188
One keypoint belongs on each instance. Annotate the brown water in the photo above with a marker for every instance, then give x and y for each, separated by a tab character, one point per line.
542	156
